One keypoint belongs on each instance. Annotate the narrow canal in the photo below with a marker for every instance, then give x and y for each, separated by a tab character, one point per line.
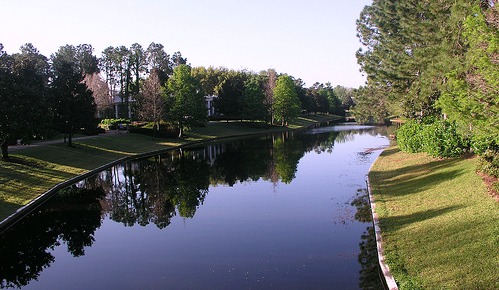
283	211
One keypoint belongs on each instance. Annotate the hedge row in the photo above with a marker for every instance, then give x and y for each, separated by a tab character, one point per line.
162	133
438	138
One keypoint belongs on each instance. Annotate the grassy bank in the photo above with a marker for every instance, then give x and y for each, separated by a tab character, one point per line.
439	224
36	169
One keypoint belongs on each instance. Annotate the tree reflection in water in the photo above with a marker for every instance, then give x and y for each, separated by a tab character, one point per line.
370	276
70	217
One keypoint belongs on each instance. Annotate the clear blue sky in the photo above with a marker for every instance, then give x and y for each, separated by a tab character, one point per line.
314	40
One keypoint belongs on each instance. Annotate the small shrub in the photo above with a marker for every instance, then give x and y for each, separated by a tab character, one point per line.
441	139
489	163
112	124
93	131
410	138
162	133
438	138
482	143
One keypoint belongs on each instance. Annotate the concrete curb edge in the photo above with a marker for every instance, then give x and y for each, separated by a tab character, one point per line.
390	281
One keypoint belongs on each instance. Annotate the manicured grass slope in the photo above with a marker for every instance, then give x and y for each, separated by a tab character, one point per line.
440	226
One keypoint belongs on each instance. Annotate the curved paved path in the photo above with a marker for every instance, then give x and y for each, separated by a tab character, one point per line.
60	141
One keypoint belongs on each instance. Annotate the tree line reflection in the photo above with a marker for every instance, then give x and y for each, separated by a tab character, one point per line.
151	190
70	218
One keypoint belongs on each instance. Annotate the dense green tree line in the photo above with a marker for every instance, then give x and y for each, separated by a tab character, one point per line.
39	95
70	90
433	61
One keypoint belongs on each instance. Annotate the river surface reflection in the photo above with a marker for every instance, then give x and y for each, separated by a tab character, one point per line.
283	211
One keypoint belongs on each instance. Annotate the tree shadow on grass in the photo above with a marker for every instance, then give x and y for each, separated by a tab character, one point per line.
22	161
414	178
418	170
7	208
394	223
415	184
63	155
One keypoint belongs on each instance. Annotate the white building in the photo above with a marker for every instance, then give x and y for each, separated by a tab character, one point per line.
120	109
210	104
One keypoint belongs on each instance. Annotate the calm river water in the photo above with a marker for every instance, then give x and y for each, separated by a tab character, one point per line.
283	211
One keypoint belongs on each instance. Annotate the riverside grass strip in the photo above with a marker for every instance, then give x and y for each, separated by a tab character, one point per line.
439	224
36	169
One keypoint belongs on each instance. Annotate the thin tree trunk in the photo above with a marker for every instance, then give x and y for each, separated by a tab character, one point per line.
5	150
180	128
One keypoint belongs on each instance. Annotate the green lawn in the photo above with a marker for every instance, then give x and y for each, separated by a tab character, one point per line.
439	224
235	128
37	169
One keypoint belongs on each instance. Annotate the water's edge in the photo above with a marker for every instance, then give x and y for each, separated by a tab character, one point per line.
390	281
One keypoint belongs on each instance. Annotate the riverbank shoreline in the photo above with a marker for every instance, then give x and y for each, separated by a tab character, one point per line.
438	221
385	268
114	156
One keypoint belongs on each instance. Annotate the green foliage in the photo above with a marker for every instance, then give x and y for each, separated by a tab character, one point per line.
410	46
321	98
186	98
230	94
438	138
470	96
286	104
163	132
112	123
370	105
210	78
253	101
71	101
23	90
482	143
345	95
489	163
115	121
410	137
442	140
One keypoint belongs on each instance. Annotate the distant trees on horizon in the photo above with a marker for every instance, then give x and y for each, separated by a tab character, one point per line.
66	92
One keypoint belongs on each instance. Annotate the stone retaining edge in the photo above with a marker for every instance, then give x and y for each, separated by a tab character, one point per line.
390	281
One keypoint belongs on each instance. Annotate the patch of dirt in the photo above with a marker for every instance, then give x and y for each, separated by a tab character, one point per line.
489	182
470	155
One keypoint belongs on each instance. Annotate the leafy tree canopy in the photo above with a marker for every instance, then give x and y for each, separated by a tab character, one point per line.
186	98
286	104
